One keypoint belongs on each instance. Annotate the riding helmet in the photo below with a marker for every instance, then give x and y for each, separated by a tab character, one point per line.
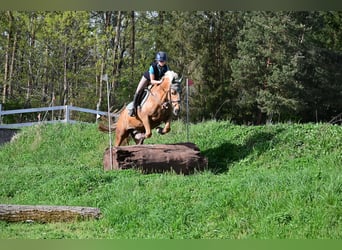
161	56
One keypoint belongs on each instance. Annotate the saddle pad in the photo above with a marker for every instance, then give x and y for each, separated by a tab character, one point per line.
130	105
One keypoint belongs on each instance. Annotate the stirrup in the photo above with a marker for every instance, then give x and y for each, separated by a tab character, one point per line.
132	112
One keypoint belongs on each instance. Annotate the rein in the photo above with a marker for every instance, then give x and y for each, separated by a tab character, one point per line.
172	87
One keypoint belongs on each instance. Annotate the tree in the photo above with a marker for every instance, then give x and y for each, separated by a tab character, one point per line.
10	47
68	42
203	46
320	67
250	67
264	71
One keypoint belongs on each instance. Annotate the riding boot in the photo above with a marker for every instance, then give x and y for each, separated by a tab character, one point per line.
135	105
142	84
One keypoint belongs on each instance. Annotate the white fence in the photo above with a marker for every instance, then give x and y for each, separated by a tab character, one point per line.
67	109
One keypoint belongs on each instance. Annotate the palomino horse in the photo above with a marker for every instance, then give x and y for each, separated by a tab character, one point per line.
162	103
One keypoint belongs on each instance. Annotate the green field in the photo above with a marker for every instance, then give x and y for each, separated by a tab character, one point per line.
264	182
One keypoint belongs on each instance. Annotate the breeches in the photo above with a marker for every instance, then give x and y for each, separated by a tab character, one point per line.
142	84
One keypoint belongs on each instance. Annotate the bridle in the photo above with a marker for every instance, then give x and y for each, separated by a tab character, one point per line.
175	85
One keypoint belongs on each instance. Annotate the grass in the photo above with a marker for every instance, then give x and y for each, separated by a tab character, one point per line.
264	182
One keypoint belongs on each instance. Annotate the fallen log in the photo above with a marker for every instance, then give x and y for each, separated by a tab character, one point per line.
181	158
44	214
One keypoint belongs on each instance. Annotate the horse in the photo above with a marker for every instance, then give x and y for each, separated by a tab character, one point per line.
161	105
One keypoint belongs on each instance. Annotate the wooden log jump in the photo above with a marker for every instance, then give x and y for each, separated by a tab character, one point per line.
27	213
182	158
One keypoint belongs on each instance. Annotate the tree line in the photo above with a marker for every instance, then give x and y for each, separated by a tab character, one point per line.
250	67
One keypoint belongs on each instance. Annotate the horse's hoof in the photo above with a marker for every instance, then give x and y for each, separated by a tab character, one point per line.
139	136
160	130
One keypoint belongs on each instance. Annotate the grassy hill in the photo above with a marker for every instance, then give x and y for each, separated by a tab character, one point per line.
265	182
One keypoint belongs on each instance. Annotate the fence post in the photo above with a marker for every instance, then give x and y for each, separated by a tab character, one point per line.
97	110
67	114
0	113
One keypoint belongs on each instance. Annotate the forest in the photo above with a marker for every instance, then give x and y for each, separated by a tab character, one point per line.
249	67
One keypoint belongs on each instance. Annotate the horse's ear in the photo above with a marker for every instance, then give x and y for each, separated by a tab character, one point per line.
179	80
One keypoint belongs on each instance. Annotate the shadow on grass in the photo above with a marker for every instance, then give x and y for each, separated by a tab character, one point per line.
222	157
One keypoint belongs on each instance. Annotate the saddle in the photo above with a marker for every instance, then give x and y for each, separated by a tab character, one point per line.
141	99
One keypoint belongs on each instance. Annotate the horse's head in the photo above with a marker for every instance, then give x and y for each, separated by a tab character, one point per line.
175	91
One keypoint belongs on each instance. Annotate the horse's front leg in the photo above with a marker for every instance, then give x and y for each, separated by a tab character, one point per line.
146	121
166	129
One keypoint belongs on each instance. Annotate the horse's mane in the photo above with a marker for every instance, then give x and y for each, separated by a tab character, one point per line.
171	75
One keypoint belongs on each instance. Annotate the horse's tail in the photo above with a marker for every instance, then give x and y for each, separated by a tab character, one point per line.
105	128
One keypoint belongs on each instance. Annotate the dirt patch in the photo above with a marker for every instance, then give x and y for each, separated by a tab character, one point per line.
6	135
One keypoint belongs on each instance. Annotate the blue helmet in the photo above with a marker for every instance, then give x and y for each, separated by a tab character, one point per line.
161	56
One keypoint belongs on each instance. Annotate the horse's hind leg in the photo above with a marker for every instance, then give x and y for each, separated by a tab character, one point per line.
120	137
138	137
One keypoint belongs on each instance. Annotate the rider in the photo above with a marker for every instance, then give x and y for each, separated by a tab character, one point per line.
153	76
